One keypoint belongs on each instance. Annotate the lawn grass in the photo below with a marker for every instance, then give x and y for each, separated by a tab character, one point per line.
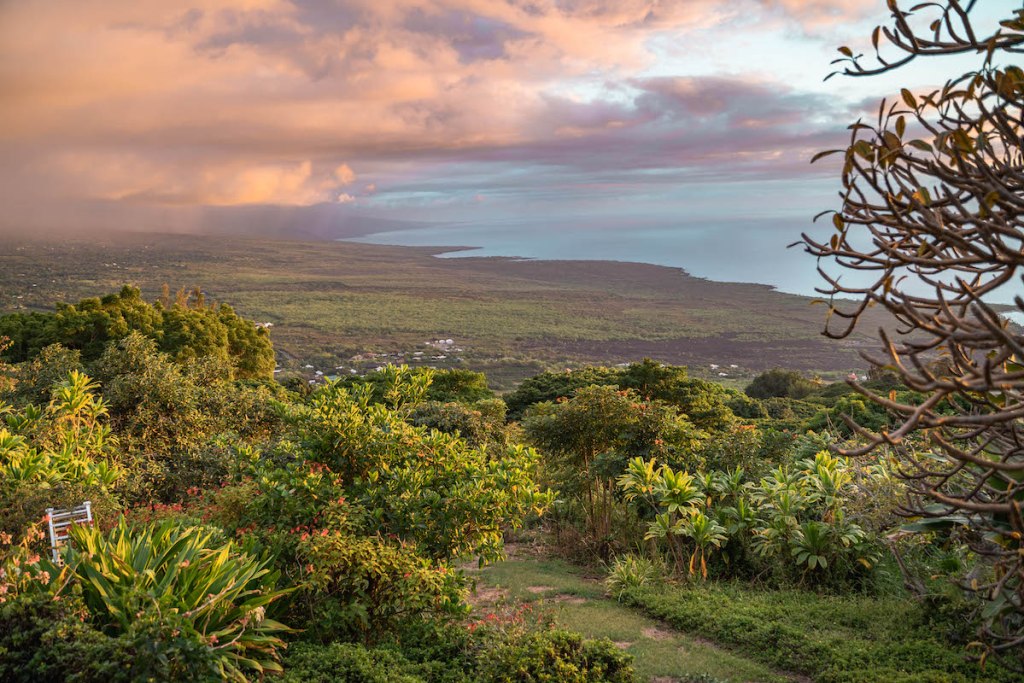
578	603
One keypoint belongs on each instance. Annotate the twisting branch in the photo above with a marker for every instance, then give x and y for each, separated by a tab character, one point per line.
933	211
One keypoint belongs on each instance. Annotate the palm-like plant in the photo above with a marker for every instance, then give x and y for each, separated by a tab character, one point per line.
179	574
640	480
707	534
812	544
677	490
64	443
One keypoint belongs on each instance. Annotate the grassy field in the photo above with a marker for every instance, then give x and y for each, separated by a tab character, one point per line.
329	301
831	639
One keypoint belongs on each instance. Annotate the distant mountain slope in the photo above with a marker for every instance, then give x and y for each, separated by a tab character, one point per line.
330	300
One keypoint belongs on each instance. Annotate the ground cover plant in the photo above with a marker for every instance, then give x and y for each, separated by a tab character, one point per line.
826	637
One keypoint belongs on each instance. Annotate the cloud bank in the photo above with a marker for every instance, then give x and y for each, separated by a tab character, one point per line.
375	106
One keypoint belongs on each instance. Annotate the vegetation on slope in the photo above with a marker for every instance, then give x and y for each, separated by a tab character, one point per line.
246	528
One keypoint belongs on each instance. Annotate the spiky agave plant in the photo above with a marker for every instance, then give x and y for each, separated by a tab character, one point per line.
181	577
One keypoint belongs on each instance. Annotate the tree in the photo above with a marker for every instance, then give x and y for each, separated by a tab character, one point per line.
933	215
779	383
590	438
187	330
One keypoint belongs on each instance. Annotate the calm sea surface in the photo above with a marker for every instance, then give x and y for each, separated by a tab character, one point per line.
727	252
720	251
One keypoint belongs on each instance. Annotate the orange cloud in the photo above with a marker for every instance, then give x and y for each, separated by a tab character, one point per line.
233	102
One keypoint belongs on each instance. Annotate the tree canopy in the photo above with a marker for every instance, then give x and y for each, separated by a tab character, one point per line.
186	329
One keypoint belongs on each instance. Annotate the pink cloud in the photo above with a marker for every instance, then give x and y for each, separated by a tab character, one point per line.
235	102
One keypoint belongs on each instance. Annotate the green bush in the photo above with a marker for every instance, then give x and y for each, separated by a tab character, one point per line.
551	386
170	590
780	383
556	657
480	424
791	525
429	489
365	589
43	641
455	385
345	663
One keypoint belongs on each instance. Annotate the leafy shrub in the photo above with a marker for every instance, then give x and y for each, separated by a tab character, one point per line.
427	488
33	381
480	424
171	589
793	520
345	663
703	403
43	641
630	571
551	386
456	385
66	442
56	455
556	657
363	588
781	384
169	414
745	407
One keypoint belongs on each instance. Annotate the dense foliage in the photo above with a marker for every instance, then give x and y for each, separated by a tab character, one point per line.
243	528
186	329
252	519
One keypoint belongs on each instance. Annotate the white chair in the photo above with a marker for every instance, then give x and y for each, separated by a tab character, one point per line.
60	520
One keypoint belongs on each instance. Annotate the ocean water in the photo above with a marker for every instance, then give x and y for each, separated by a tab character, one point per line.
722	251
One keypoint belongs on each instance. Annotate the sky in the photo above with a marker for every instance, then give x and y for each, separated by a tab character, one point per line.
162	115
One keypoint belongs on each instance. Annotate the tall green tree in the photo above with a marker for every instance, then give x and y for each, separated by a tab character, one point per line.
591	437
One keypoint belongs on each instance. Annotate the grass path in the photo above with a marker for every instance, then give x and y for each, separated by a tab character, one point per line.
578	603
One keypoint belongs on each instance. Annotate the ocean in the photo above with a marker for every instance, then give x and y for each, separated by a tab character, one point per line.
722	251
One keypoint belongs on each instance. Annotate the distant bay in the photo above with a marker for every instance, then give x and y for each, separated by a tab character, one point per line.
720	251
